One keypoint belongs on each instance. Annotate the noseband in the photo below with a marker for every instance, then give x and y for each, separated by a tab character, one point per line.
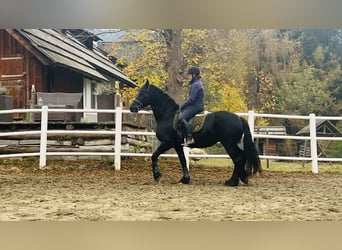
138	103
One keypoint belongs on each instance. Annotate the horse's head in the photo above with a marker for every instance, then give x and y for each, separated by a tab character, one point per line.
142	100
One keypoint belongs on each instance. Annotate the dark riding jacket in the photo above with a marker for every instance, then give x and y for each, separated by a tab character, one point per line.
194	104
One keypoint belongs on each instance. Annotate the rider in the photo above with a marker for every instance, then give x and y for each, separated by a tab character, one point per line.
193	105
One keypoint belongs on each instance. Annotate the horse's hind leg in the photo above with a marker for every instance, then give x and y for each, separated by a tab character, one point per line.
243	175
186	176
161	149
239	160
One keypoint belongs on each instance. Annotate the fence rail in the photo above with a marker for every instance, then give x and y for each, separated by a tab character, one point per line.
118	132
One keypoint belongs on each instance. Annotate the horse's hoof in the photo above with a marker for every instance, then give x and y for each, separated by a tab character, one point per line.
185	180
231	183
244	179
157	176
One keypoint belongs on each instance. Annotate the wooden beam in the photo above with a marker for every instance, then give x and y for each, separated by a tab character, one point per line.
28	46
7	58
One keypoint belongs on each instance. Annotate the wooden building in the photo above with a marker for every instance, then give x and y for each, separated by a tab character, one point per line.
324	128
54	61
270	146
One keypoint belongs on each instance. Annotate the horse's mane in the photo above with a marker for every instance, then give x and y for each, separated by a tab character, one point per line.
163	100
163	104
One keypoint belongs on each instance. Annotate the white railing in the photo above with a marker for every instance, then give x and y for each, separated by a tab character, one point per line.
118	132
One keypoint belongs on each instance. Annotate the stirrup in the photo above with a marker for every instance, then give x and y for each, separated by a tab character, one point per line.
188	141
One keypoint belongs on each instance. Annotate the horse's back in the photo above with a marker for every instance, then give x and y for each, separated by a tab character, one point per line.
226	113
221	126
227	117
221	114
228	124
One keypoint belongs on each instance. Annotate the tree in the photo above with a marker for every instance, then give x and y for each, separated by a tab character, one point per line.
291	57
157	57
163	56
242	69
275	51
224	56
174	63
304	94
323	50
143	55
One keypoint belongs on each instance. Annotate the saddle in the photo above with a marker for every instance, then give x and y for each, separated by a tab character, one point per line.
196	122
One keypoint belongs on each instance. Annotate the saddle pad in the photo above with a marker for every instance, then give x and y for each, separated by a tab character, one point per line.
196	122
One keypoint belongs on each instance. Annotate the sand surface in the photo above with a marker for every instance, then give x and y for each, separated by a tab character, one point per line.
88	191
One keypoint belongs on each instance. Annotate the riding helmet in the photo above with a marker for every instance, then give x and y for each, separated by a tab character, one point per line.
194	71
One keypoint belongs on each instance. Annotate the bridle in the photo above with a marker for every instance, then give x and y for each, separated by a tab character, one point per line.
138	103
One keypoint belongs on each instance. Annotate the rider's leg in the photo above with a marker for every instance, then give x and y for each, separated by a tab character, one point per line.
188	132
184	117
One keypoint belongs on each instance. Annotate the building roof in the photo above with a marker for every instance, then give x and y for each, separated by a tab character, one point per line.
61	48
323	127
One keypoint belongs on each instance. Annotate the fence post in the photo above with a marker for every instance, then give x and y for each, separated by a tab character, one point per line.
118	130
313	144
251	120
43	136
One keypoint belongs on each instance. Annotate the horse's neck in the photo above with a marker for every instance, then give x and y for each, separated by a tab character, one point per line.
164	107
164	111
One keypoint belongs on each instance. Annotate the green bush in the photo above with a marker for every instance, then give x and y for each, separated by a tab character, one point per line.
335	149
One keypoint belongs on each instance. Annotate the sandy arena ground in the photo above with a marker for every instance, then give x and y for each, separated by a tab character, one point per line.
92	191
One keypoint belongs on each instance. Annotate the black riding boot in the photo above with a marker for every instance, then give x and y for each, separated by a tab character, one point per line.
188	133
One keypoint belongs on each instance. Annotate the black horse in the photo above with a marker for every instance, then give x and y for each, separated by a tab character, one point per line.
222	126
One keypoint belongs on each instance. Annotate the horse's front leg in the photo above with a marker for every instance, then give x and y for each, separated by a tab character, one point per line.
186	176
161	149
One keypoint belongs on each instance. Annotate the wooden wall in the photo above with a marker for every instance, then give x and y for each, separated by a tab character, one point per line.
19	70
65	80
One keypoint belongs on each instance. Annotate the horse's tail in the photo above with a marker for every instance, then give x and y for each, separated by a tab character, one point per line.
253	164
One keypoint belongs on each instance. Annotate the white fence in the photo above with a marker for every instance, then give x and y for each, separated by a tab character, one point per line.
118	132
